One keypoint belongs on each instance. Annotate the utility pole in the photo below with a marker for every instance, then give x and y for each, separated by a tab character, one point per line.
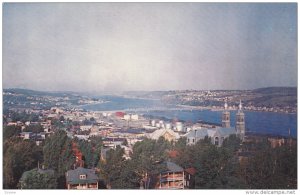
290	140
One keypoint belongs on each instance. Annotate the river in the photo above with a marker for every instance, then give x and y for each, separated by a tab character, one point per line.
256	122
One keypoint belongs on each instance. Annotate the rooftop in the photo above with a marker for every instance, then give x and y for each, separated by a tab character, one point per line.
73	176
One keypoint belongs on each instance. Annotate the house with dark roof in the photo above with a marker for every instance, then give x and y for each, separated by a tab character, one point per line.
174	177
81	178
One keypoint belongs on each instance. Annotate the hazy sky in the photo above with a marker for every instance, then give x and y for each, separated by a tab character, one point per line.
149	46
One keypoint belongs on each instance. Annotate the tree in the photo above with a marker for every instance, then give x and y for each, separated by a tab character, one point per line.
61	118
125	142
147	157
87	122
23	116
37	128
232	143
38	179
18	156
112	169
86	148
57	124
181	143
216	167
9	131
272	168
58	154
97	144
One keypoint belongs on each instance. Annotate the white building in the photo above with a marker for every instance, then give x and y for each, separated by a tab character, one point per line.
168	134
134	117
85	127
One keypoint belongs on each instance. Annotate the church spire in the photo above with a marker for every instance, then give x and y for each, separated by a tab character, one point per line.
240	106
226	116
240	122
225	105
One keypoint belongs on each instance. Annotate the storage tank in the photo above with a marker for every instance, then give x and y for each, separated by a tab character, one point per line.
153	123
179	126
135	117
168	126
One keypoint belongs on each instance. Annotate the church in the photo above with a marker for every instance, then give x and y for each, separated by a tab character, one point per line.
219	134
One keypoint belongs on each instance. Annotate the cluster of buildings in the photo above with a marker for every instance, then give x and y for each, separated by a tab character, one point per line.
203	98
197	132
124	130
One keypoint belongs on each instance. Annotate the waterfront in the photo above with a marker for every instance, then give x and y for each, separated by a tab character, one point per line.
256	122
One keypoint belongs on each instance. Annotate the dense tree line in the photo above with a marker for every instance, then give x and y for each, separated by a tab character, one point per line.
271	168
10	131
145	163
19	156
263	167
58	155
216	167
23	116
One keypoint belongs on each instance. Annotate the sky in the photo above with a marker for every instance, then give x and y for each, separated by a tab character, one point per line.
95	47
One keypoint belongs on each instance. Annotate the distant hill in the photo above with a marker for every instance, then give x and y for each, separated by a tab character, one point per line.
30	92
277	90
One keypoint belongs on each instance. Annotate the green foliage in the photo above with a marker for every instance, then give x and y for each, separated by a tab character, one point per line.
86	122
272	168
57	124
125	142
148	156
96	143
58	153
9	131
146	161
232	143
36	128
216	167
113	169
86	148
38	179
61	118
181	143
18	156
23	116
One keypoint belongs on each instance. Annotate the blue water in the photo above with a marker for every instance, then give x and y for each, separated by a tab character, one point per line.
120	103
257	122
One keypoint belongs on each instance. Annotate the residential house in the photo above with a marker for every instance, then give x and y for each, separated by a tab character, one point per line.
190	177
174	177
81	178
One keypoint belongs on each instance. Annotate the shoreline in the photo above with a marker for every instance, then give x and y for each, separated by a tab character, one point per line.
177	107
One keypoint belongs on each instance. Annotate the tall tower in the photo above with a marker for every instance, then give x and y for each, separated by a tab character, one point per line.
240	122
226	116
